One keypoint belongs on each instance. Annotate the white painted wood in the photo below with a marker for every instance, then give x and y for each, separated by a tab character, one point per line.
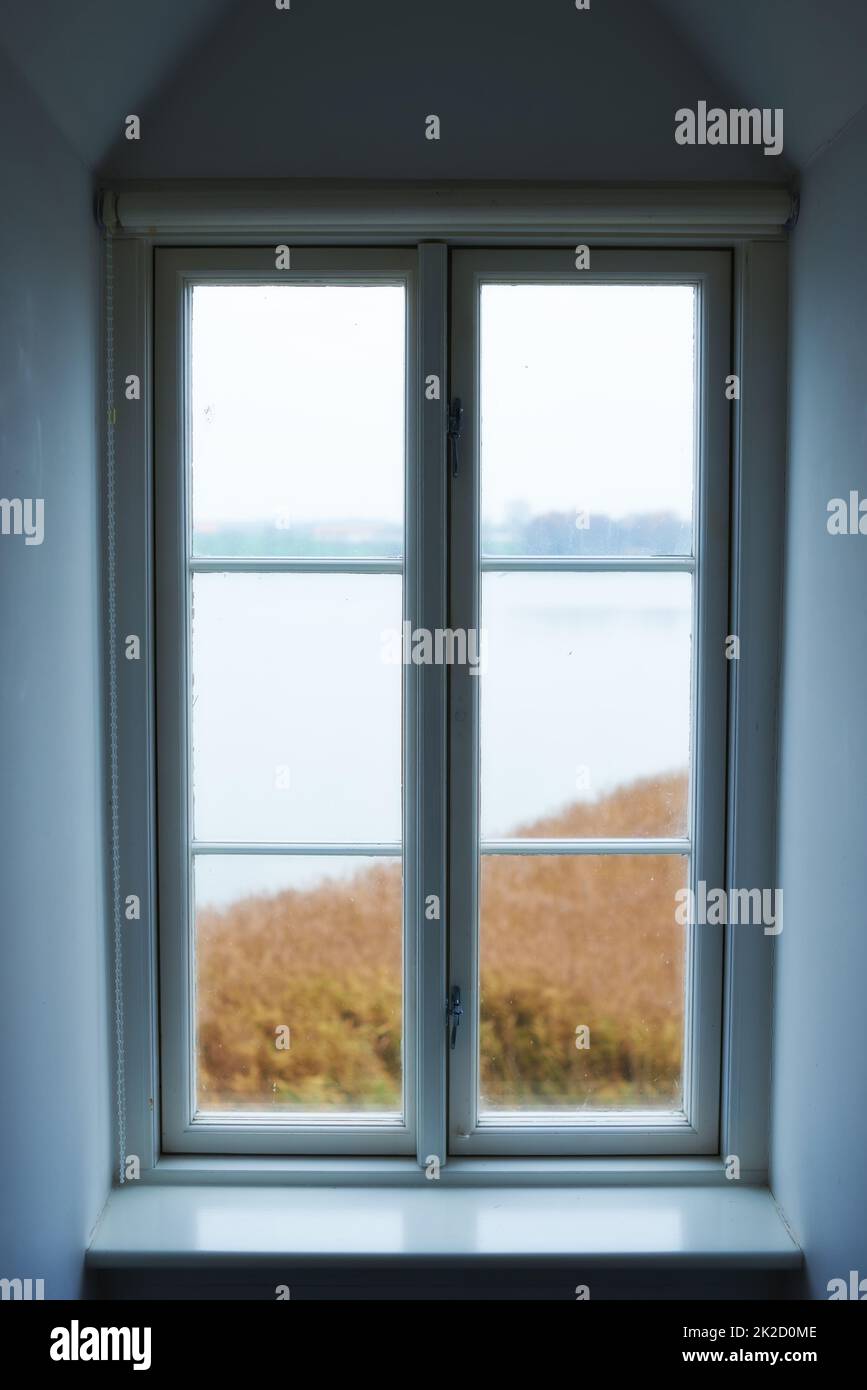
277	564
325	1171
585	846
696	1130
362	849
760	299
427	607
135	700
588	564
204	1226
758	493
183	1130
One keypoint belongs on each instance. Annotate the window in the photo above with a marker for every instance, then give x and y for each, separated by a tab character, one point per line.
589	543
441	724
283	900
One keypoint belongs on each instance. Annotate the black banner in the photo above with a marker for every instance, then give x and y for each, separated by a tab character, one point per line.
83	1338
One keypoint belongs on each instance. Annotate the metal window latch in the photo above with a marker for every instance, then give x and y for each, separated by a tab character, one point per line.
456	419
455	1011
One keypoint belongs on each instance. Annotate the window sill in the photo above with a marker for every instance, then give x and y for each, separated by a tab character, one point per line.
200	1225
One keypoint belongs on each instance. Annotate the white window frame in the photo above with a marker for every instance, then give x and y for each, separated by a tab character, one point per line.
184	1130
746	223
612	1133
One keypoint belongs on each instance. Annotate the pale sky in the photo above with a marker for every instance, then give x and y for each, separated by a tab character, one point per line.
587	398
298	401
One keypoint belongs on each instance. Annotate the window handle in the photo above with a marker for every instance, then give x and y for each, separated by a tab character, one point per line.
456	420
455	1011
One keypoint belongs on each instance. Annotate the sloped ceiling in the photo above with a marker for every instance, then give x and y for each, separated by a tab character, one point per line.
338	88
92	62
335	87
807	56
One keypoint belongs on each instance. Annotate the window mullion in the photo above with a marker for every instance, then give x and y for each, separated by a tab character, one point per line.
464	595
426	702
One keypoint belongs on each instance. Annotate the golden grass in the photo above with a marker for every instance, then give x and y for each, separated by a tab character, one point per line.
565	942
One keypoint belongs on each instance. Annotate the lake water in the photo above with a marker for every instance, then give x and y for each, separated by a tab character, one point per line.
296	717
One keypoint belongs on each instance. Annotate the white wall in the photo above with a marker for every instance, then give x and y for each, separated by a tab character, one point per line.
56	1148
820	1110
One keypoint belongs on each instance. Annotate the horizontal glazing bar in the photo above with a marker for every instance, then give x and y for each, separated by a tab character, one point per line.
267	564
585	847
566	1119
301	1119
270	847
627	564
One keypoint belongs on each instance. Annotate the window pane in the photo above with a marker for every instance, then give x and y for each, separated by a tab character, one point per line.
585	704
296	713
587	419
574	942
297	419
298	984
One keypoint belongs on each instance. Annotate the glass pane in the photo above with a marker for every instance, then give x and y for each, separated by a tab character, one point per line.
298	984
582	983
296	714
585	704
587	419
297	419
